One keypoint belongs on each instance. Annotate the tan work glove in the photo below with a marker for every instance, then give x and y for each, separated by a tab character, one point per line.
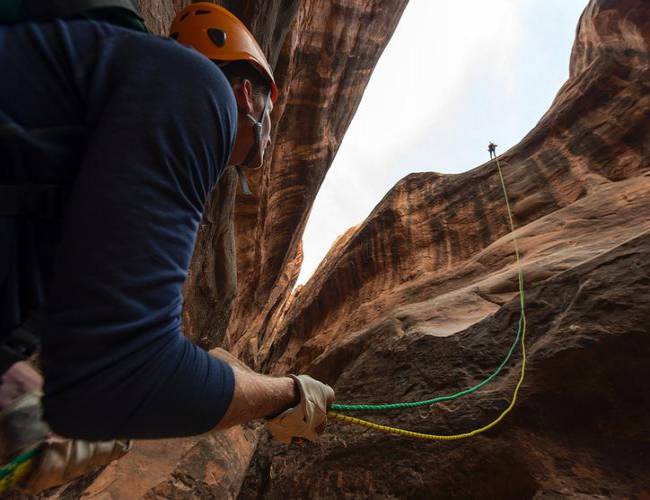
307	419
62	460
22	428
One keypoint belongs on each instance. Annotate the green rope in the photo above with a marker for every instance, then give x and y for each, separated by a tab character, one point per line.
9	468
438	399
450	397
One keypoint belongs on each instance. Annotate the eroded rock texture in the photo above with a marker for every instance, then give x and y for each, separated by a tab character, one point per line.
421	300
243	273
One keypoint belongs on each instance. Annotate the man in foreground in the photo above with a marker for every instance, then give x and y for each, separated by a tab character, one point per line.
135	130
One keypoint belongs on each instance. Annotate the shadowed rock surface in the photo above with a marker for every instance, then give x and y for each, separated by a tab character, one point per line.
420	299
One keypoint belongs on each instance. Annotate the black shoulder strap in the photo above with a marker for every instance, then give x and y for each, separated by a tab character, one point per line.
22	342
41	200
46	10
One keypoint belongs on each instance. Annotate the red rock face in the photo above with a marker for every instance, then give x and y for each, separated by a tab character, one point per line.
431	228
421	300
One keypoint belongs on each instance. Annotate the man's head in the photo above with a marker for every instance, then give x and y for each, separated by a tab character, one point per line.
221	37
254	104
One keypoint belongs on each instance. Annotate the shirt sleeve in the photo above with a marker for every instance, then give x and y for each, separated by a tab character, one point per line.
162	122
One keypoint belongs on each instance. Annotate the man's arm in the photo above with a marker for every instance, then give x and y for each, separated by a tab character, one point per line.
255	396
292	406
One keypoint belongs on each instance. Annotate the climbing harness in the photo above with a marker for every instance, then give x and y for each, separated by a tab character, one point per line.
520	337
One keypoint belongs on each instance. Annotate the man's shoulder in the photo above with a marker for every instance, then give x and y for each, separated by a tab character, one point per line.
122	13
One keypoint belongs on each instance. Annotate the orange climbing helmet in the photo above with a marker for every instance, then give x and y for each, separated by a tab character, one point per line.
219	35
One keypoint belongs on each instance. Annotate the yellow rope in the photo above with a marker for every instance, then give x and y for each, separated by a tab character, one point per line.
451	437
16	476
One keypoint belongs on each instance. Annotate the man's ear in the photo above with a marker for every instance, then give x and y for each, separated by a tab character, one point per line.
244	95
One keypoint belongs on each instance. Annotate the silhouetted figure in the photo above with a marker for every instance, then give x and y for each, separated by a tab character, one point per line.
492	149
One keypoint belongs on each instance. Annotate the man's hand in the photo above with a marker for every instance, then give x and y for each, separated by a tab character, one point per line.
62	460
299	404
308	418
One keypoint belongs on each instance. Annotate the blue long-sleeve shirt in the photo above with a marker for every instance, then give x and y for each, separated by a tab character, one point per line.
139	129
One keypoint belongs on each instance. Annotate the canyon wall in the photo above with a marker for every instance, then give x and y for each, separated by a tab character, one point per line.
421	298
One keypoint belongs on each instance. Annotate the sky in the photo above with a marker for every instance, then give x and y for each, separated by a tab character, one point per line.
454	76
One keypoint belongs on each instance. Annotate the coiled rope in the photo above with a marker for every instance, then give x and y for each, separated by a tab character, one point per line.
521	334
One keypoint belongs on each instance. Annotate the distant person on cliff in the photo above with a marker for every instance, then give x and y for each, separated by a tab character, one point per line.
112	141
492	149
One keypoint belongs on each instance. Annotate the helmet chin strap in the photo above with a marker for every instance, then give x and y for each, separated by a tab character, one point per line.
255	148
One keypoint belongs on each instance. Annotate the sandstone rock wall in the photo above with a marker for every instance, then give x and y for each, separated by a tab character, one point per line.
432	227
421	300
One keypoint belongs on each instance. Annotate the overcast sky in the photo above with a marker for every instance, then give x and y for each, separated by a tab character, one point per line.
454	76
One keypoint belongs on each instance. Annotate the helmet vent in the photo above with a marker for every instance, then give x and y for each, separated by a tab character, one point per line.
184	16
217	36
202	12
